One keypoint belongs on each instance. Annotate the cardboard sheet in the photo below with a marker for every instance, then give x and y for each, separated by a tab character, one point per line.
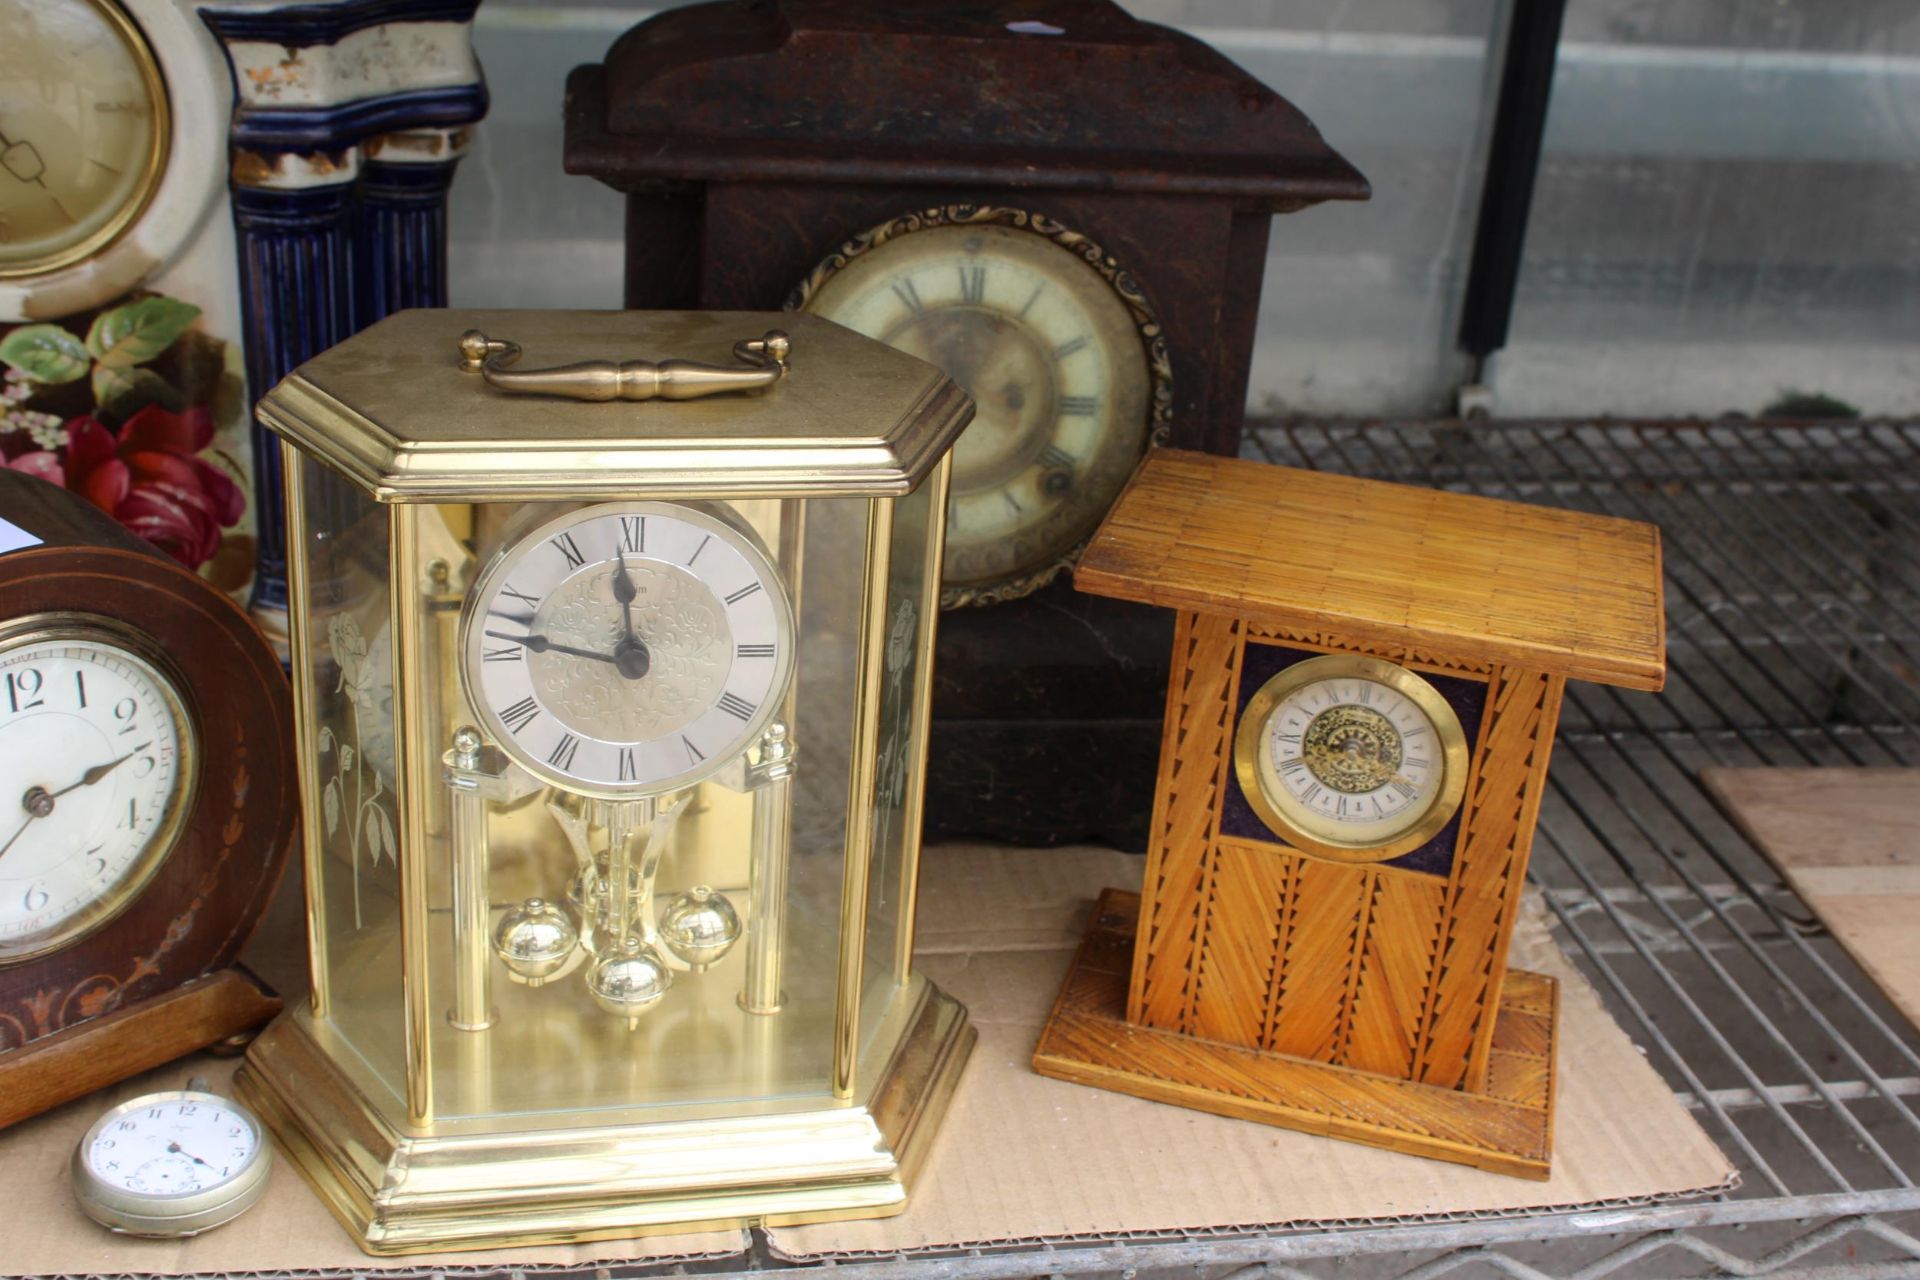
1020	1156
289	1230
1848	841
1024	1157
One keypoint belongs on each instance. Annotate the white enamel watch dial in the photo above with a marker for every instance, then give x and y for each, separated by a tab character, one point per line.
83	130
171	1164
96	769
1351	757
628	649
1055	363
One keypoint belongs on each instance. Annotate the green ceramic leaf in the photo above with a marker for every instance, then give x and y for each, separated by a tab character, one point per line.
46	353
139	331
121	393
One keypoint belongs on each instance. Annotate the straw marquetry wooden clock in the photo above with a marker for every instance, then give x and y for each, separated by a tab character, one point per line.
1366	679
1064	208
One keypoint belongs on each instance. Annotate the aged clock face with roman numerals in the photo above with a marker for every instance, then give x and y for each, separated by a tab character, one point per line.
1055	362
1351	757
629	648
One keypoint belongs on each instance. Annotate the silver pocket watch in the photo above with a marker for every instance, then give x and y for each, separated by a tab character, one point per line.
172	1164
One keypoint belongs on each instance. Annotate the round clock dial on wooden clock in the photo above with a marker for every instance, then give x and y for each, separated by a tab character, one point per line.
146	802
1064	208
1352	764
1061	353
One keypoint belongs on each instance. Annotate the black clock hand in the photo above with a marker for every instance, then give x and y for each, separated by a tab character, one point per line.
624	592
99	771
17	834
630	655
540	644
175	1148
40	179
38	804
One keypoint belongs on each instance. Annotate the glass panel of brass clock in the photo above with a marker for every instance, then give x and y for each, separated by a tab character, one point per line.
1351	758
351	786
905	667
83	131
1056	364
97	766
531	644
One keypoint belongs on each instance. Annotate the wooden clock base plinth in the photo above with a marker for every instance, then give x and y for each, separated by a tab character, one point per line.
108	1049
1508	1129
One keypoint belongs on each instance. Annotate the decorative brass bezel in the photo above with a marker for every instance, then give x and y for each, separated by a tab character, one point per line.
1153	344
64	628
1250	737
153	165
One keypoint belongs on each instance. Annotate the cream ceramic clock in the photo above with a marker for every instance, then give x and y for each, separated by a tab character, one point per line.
1053	343
79	165
111	148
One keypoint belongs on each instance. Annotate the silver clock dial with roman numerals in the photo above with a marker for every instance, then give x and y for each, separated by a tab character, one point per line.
629	648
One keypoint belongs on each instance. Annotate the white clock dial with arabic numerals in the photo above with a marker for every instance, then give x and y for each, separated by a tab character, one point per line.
628	648
94	778
171	1146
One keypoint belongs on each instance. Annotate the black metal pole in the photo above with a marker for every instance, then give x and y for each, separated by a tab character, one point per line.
1513	160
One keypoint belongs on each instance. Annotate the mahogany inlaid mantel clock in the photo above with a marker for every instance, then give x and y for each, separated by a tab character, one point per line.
1065	209
1366	679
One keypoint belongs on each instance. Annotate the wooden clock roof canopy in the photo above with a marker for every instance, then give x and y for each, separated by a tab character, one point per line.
1447	574
1060	94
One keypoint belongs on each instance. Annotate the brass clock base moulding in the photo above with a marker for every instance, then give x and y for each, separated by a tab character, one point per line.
1508	1129
400	1190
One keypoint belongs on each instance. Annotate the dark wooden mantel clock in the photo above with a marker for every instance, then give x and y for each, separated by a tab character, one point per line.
1366	678
1064	208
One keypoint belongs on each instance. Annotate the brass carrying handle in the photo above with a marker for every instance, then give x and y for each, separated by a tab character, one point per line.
764	358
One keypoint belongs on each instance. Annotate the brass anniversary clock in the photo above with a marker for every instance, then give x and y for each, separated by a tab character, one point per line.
1065	208
612	681
1366	679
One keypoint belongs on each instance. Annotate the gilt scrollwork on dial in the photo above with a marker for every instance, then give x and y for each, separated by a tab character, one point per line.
1352	749
684	628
